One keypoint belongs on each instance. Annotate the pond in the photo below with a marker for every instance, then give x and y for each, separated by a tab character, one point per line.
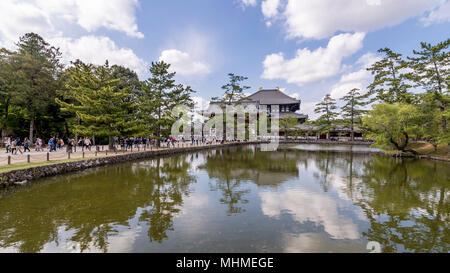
235	200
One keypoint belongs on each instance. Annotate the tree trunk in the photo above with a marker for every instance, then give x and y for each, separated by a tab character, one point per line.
76	134
4	122
31	129
404	146
66	126
111	143
444	119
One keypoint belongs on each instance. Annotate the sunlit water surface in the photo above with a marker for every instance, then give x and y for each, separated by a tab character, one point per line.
235	200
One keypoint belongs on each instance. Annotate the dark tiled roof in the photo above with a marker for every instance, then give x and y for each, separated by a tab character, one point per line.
268	97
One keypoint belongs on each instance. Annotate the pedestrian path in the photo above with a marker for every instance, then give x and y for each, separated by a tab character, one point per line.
95	151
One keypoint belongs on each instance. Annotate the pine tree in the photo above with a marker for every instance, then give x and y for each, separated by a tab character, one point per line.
233	93
351	111
160	94
7	82
287	123
328	110
233	90
390	81
38	67
102	107
431	70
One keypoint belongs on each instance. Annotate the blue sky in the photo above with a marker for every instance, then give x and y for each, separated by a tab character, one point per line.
307	48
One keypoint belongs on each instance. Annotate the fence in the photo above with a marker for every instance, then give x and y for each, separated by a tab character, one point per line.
77	153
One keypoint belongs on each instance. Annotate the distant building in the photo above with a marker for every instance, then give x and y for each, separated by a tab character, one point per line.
337	132
276	102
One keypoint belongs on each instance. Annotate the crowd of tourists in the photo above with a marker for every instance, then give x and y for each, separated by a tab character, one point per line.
15	145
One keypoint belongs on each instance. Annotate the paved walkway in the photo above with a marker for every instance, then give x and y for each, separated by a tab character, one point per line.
36	157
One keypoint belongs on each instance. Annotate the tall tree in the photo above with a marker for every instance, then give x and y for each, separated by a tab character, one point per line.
327	108
392	124
7	78
390	82
160	94
351	111
233	93
102	107
233	90
431	70
430	121
287	123
37	64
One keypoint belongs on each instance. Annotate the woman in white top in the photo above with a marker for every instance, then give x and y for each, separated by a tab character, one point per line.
8	144
87	143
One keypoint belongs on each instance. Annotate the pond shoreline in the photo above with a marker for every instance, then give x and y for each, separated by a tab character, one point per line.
362	143
24	176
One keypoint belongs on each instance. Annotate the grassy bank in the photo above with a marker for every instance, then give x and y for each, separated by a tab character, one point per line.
8	168
427	150
443	150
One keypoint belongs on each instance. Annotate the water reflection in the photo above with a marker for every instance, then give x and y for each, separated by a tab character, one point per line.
235	200
96	205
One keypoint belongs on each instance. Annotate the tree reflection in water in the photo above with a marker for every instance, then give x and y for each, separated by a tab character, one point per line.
405	202
230	169
93	208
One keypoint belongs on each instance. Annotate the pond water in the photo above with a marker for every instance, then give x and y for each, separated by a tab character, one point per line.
235	200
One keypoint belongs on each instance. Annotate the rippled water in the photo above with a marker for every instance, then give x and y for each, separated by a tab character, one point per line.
235	200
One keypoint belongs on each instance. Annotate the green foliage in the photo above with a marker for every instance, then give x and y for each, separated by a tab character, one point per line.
29	79
103	108
392	124
351	111
430	123
233	90
159	95
327	108
287	123
390	80
431	71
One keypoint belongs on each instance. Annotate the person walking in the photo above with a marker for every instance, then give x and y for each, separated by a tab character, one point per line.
69	145
8	144
38	145
26	145
18	145
13	146
50	144
87	143
61	144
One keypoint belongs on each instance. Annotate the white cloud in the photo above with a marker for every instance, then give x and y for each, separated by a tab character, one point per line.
312	66
308	108
311	206
439	15
91	15
270	8
97	50
46	17
18	18
320	19
183	64
200	103
357	79
248	2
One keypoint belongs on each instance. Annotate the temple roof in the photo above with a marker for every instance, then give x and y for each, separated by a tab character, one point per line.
268	97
